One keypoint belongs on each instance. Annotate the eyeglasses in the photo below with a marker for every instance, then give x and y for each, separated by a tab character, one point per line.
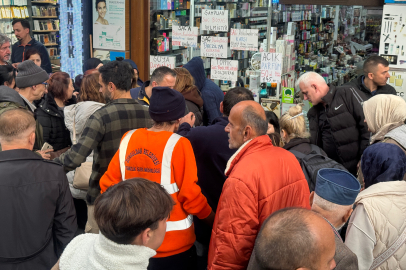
46	84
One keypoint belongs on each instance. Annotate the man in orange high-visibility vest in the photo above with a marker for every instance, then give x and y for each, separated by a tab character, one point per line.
160	155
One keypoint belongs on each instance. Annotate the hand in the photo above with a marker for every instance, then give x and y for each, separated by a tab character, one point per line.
188	118
15	65
44	154
210	219
76	94
99	66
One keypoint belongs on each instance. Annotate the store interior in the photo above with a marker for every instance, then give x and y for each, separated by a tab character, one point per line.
332	40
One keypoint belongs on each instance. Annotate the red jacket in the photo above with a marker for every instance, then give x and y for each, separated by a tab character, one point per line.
262	179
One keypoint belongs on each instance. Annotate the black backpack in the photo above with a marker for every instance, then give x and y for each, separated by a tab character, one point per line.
313	162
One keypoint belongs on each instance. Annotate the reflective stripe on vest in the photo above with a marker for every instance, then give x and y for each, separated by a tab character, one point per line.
165	176
123	151
166	164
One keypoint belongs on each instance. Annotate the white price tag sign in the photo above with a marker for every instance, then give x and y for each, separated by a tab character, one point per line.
159	61
214	46
244	39
214	20
226	70
271	67
185	36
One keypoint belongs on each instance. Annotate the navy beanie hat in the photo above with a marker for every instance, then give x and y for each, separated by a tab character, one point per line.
91	63
166	104
382	162
132	63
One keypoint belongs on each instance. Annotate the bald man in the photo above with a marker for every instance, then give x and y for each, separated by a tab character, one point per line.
261	179
294	238
38	217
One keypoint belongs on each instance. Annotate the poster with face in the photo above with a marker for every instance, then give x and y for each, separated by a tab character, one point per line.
109	24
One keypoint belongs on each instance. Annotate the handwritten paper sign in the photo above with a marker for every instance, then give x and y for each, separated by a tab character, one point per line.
185	36
214	20
159	61
244	39
225	70
271	67
214	47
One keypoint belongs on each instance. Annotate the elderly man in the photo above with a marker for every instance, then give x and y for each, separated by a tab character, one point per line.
294	238
31	82
336	119
38	217
333	198
5	51
262	179
374	80
210	145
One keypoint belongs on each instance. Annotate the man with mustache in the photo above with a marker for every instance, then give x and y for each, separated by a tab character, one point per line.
5	52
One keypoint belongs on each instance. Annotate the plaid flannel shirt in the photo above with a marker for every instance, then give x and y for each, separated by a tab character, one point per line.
102	134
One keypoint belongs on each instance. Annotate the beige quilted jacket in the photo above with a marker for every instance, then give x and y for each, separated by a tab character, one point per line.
385	205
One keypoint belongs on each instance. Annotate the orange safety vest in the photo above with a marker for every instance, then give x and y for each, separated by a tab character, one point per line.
179	235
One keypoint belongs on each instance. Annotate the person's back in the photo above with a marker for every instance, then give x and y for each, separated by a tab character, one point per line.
132	219
76	116
210	146
38	215
262	179
211	92
105	128
378	223
161	156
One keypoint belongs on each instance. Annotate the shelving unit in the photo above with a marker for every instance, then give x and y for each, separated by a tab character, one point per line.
46	26
12	12
162	21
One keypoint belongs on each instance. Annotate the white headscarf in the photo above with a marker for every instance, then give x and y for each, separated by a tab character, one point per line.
384	113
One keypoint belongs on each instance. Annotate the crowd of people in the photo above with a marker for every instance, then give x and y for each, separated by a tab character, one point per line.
105	171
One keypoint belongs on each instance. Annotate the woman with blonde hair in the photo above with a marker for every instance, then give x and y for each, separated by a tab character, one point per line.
185	84
293	131
385	116
296	138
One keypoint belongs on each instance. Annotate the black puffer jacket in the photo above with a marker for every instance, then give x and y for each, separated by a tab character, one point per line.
53	124
346	118
357	82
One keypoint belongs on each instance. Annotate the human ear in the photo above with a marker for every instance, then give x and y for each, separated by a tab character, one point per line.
147	236
347	215
31	139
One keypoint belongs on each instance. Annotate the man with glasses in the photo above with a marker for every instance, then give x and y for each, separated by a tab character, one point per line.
31	80
5	52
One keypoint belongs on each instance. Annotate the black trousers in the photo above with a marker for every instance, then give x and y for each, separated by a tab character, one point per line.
183	261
